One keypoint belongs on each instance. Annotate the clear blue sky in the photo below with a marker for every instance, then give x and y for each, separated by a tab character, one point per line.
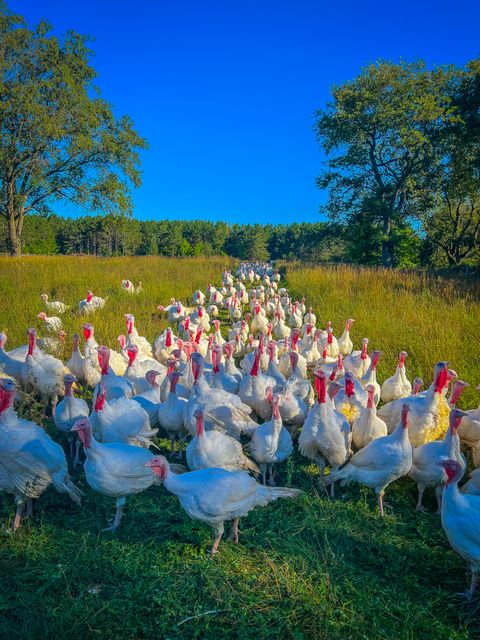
225	91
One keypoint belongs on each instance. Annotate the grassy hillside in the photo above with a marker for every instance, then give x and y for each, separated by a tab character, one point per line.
304	569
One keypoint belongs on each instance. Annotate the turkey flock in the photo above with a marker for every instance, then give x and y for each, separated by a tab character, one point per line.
244	398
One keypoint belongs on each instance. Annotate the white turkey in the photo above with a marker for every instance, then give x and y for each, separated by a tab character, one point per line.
11	362
54	306
222	410
29	459
271	443
397	386
171	413
368	426
115	386
370	378
285	360
219	378
310	317
164	345
381	462
52	324
136	370
42	373
429	412
133	338
215	496
351	398
149	400
358	361
90	304
426	469
68	411
82	366
114	469
345	344
215	449
325	436
120	420
129	287
272	370
253	388
461	521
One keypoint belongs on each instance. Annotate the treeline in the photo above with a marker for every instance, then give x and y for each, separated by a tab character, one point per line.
122	236
312	242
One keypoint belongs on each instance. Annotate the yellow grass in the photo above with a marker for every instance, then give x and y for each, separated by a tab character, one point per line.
67	278
432	318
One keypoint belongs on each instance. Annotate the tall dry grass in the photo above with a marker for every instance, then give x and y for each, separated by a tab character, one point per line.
67	278
432	318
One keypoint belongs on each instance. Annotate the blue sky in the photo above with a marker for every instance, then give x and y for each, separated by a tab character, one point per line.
225	91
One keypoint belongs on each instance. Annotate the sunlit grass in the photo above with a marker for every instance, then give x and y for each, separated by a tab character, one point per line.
68	278
431	318
308	568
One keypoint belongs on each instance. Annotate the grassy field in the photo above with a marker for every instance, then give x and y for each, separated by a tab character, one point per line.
304	569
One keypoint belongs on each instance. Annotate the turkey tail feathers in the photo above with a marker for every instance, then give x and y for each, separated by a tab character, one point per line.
283	492
64	484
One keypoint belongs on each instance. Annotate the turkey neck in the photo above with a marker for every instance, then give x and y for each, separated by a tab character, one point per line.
277	425
105	415
202	385
174	484
451	444
402	374
94	451
400	434
452	498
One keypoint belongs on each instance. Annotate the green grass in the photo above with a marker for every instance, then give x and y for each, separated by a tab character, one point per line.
306	568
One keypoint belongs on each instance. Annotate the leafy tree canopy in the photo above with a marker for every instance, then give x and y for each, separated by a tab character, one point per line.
59	140
382	136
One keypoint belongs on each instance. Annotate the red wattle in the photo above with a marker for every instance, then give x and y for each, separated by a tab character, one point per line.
320	388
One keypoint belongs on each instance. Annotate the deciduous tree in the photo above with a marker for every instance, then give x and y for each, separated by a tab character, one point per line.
59	140
381	138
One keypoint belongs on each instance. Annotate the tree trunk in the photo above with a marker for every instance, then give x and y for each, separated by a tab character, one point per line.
387	252
14	235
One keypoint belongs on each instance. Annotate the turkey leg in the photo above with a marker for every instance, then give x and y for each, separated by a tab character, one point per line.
420	507
235	524
473	585
118	515
439	494
380	502
18	515
78	446
218	537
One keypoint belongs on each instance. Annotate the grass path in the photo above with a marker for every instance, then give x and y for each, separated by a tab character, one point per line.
308	568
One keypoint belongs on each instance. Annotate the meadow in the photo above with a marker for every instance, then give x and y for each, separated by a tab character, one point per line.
309	568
